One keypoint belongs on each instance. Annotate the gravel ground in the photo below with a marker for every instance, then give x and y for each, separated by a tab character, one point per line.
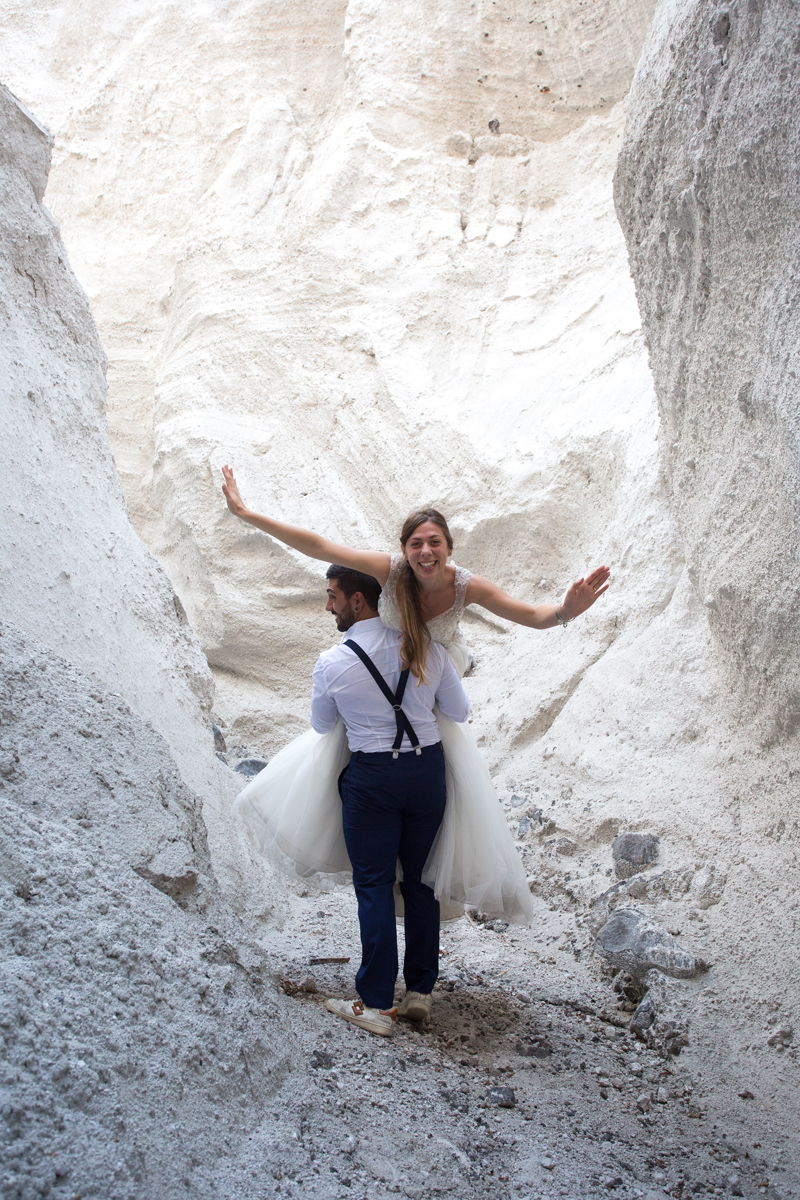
523	1084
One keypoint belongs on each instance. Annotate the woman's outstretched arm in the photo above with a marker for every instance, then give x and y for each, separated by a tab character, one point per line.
579	596
371	562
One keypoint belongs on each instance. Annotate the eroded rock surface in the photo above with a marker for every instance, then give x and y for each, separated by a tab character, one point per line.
707	196
361	292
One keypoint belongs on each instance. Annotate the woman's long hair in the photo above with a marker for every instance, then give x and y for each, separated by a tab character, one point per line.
415	632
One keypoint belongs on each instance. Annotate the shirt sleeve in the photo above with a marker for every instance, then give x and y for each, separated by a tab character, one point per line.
324	713
450	694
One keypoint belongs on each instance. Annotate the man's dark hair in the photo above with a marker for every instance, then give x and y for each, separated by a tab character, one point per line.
355	581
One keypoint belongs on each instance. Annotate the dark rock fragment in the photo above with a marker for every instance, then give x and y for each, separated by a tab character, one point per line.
502	1097
633	852
250	766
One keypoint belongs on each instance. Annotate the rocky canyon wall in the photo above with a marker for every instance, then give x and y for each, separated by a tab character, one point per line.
707	194
374	261
119	953
706	189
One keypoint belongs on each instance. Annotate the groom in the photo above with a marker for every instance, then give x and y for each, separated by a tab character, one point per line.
393	793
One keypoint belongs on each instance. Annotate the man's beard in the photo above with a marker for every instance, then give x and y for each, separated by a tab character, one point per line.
345	621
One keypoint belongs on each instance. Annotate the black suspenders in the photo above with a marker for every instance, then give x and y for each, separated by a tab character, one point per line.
404	726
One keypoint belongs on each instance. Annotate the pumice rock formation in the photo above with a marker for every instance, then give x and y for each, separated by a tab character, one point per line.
119	955
707	195
706	190
371	258
354	290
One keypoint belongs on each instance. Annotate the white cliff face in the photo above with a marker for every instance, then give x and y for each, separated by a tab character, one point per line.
74	574
323	265
119	954
707	194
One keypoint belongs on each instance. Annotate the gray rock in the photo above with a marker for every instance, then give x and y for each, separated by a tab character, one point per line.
502	1097
250	766
537	1048
219	739
633	852
632	942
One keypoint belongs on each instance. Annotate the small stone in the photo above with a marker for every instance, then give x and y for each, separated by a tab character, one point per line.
517	801
633	852
250	766
565	845
781	1037
643	1102
538	1048
546	1162
219	739
502	1097
321	1060
523	826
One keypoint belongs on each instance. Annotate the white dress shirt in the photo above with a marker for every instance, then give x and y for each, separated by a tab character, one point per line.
343	687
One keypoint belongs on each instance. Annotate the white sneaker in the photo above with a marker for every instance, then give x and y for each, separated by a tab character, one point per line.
415	1006
376	1020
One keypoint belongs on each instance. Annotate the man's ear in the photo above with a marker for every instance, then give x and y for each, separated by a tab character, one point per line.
357	600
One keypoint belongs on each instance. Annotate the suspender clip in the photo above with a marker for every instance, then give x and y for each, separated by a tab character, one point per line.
418	750
395	754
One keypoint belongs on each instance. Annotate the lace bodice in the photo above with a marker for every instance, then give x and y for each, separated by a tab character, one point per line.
444	628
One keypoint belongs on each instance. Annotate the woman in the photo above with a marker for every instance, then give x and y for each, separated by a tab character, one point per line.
292	804
424	594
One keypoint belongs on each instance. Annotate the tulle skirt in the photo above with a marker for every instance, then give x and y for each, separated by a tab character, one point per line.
292	813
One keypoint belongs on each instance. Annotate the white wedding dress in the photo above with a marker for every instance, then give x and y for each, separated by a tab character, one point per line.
292	809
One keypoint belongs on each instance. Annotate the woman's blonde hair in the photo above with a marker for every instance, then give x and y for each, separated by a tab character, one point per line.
415	632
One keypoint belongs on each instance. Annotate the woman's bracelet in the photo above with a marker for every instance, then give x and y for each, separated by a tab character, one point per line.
562	620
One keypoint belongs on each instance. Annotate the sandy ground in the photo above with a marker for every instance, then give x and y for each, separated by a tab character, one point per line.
524	1084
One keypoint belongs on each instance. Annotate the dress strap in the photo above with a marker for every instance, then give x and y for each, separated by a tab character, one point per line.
404	726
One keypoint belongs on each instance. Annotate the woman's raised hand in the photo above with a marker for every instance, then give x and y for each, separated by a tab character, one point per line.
582	594
230	490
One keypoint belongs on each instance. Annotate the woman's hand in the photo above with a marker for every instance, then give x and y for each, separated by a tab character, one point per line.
230	490
583	592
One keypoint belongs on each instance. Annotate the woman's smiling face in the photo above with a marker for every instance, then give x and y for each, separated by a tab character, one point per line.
427	551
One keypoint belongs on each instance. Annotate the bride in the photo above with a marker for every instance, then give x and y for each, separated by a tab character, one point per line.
473	861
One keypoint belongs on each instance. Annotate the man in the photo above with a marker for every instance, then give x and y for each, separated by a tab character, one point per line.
393	793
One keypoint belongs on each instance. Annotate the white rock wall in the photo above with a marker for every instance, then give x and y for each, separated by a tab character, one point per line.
132	1010
707	194
310	255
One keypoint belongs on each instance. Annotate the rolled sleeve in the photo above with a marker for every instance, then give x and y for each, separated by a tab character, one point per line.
324	713
450	695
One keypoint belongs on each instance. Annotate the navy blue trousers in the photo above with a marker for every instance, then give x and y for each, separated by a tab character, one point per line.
391	809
